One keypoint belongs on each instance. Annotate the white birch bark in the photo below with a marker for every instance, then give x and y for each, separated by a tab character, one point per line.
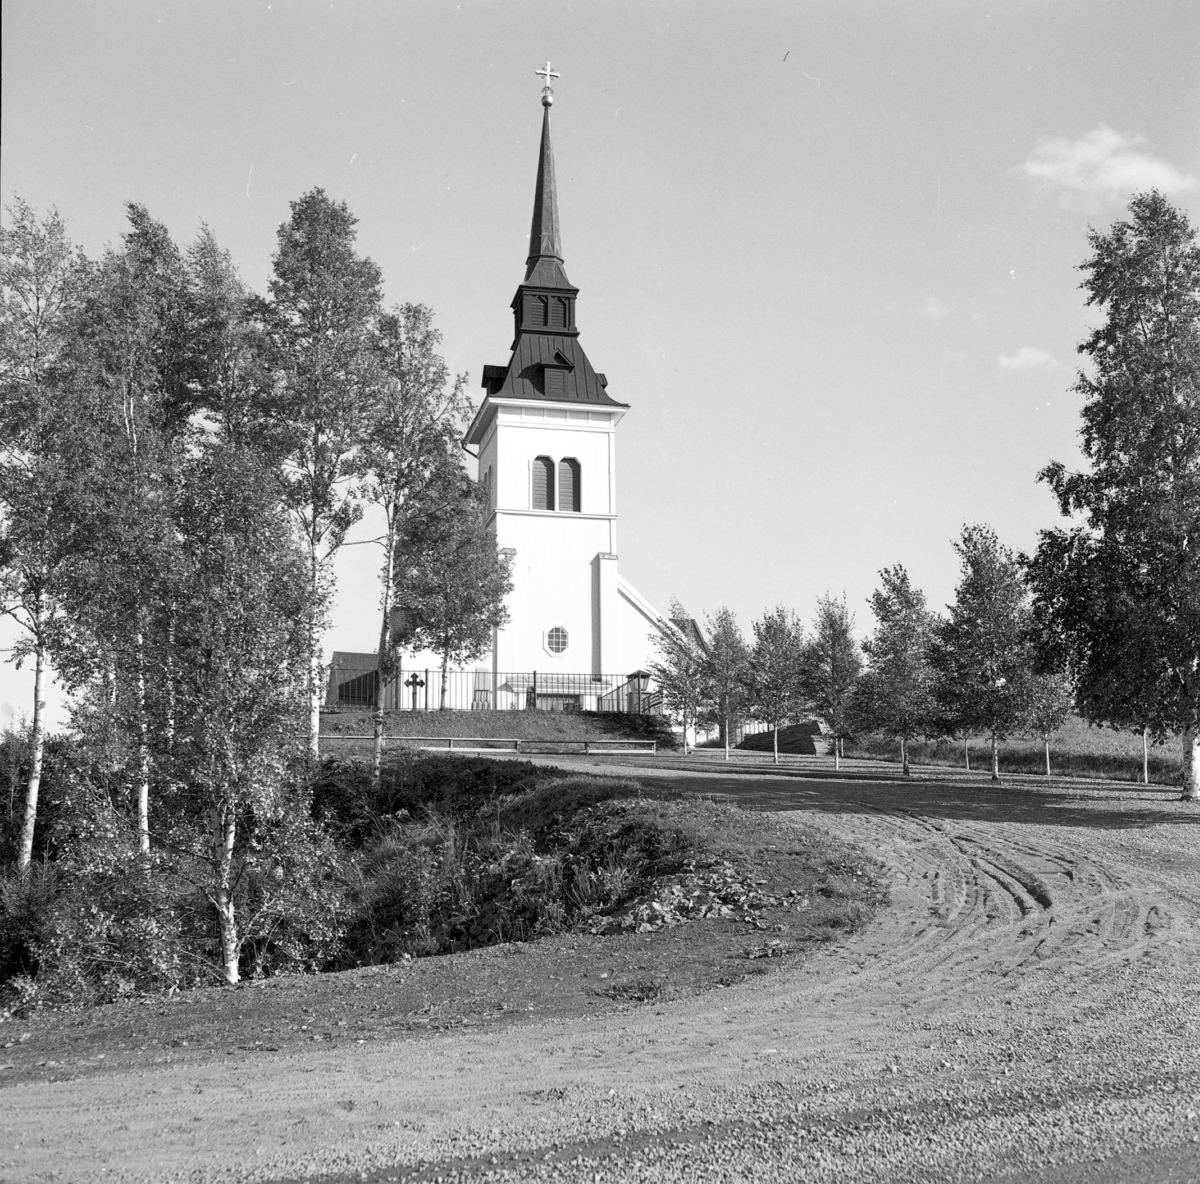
143	777
37	739
1191	764
224	837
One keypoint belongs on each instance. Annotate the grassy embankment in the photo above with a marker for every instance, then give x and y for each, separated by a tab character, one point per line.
459	852
564	727
1077	749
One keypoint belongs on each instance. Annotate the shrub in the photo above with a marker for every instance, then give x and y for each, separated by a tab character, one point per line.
515	867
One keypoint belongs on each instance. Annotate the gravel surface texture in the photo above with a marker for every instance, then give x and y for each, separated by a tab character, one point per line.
1026	1009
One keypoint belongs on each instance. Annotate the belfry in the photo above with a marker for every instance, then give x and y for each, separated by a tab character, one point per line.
545	438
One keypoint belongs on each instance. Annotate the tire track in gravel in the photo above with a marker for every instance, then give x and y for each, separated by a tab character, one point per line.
1025	1003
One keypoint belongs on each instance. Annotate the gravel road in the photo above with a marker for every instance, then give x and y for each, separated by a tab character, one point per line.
1026	1009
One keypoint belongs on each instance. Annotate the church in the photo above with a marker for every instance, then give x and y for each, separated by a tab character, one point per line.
579	635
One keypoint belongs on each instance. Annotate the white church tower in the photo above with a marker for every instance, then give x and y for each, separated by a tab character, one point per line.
545	437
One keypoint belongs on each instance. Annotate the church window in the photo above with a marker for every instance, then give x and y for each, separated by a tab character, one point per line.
568	485
540	304
543	483
487	486
556	640
558	313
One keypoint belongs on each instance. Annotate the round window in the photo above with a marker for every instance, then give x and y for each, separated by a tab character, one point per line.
556	640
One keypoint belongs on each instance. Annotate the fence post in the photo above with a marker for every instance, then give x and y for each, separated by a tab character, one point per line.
427	690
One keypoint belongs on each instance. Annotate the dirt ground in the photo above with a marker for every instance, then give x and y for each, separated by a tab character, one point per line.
1024	1009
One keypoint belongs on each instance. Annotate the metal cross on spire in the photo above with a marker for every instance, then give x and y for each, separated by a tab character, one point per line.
546	75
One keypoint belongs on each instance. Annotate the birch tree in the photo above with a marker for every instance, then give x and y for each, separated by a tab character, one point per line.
39	464
415	420
895	696
681	669
320	322
776	670
833	665
728	668
1119	593
243	647
982	651
452	582
131	369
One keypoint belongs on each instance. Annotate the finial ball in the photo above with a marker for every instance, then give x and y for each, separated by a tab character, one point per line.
547	98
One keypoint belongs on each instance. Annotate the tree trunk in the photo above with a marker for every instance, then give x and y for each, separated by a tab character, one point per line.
1047	742
726	737
224	837
1145	756
904	758
37	742
1191	764
384	662
967	753
143	781
169	683
315	686
314	700
837	753
445	681
776	730
995	759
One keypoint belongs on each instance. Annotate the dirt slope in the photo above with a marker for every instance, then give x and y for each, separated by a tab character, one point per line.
1026	1008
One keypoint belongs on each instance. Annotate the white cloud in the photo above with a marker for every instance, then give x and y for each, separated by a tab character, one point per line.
1101	165
1028	357
934	309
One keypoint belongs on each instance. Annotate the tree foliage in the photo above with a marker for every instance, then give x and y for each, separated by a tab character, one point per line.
728	672
681	670
39	454
833	666
895	696
451	583
320	324
1117	596
414	426
775	670
983	651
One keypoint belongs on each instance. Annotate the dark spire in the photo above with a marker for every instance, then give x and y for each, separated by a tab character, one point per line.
544	265
547	362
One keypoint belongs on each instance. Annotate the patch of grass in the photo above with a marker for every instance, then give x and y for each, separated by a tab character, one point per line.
1077	749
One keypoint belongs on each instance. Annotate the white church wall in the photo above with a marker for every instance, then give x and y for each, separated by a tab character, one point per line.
519	434
552	587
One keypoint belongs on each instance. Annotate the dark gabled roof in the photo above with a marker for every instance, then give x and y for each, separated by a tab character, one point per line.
523	377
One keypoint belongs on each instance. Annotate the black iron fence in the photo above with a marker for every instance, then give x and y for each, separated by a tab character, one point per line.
356	684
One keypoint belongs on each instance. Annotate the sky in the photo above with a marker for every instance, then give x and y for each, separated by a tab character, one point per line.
826	251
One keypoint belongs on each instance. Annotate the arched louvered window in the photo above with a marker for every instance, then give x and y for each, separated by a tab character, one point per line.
543	483
540	304
558	313
568	484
